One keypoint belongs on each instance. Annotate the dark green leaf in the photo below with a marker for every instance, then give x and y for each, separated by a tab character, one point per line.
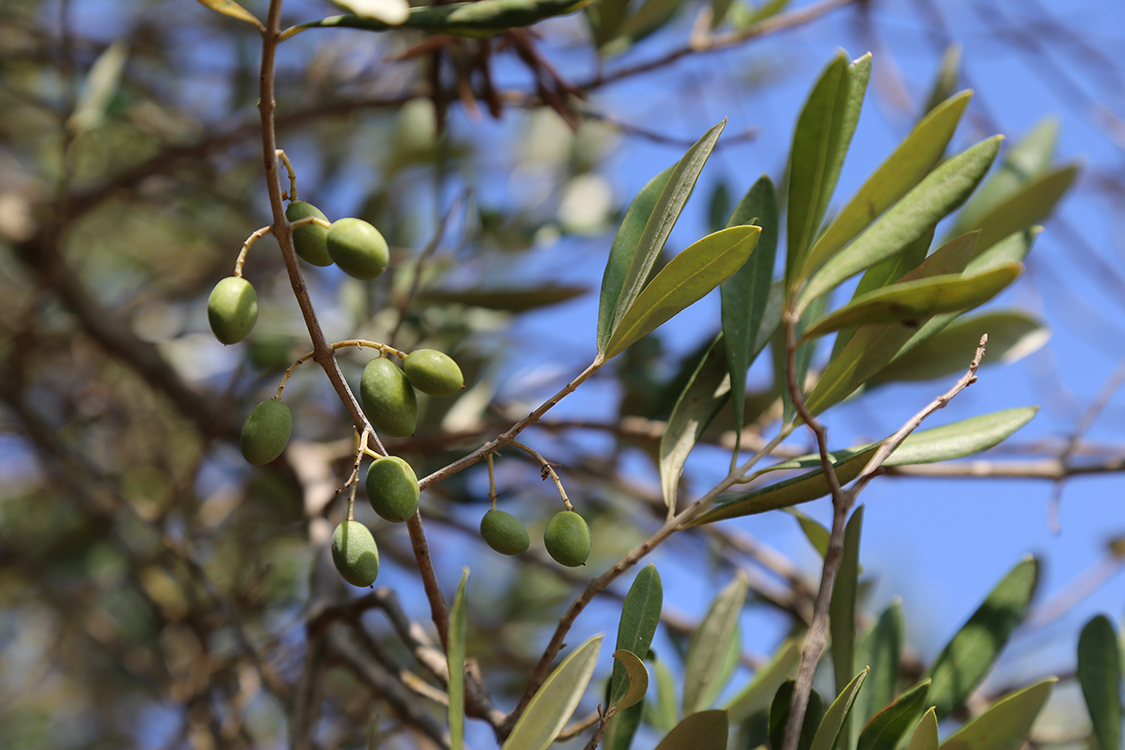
640	615
892	723
686	279
948	74
779	717
942	191
507	300
607	17
832	725
649	18
456	661
746	294
705	393
709	645
881	649
965	661
706	730
1006	725
1099	674
756	695
841	610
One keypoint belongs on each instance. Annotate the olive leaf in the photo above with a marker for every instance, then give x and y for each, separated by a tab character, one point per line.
757	694
891	724
709	645
513	300
456	661
1006	725
706	730
1031	204
640	615
234	10
779	717
841	609
1099	674
925	735
946	81
881	649
832	725
637	680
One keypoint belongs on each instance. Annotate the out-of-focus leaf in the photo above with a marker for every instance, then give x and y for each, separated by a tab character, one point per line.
803	357
892	723
665	711
948	73
456	661
640	615
756	696
910	301
507	300
1099	674
649	18
926	734
829	732
556	700
817	535
637	679
881	649
903	169
622	727
1006	725
1011	337
718	207
841	610
390	12
779	717
607	16
746	294
965	661
686	279
234	10
820	142
102	83
768	9
872	346
942	191
709	645
1031	204
706	392
719	10
961	439
624	248
666	210
706	730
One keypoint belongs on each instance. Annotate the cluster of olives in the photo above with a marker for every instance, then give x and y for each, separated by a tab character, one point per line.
387	391
567	537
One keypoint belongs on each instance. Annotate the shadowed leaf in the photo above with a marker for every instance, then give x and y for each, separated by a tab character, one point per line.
892	723
706	730
756	696
1099	674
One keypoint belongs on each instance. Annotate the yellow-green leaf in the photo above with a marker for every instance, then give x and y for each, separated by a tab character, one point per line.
710	643
637	676
706	730
456	660
234	10
1006	725
926	734
830	727
1031	204
756	696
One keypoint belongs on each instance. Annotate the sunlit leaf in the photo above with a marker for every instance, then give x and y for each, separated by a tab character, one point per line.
942	191
706	730
640	615
456	661
756	695
965	661
709	645
637	679
706	392
686	279
391	12
892	723
1099	674
830	727
1031	204
1006	725
101	83
961	439
817	535
946	81
841	611
234	10
556	700
926	734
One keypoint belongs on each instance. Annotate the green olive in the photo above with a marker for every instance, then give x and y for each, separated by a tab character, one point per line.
232	309
388	398
266	432
358	248
433	372
567	539
392	488
310	241
504	533
354	553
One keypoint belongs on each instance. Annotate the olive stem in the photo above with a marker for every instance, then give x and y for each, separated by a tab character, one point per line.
246	249
360	451
491	482
339	345
548	469
310	220
292	194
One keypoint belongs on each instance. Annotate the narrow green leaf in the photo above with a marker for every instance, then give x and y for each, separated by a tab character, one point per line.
706	730
911	301
830	728
779	717
456	661
817	535
710	642
469	19
961	439
622	727
649	18
1031	204
905	168
686	279
1011	337
234	10
892	723
506	299
1006	725
732	657
820	142
881	649
607	18
664	214
624	249
803	358
98	90
841	610
965	661
640	615
704	395
637	679
556	700
942	191
948	74
756	695
745	295
665	711
1099	674
926	734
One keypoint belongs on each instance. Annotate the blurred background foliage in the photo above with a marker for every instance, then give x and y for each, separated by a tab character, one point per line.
155	591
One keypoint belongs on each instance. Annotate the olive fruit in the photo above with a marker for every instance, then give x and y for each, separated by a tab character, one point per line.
388	398
567	539
232	309
266	432
358	248
504	533
310	241
392	488
433	372
354	553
